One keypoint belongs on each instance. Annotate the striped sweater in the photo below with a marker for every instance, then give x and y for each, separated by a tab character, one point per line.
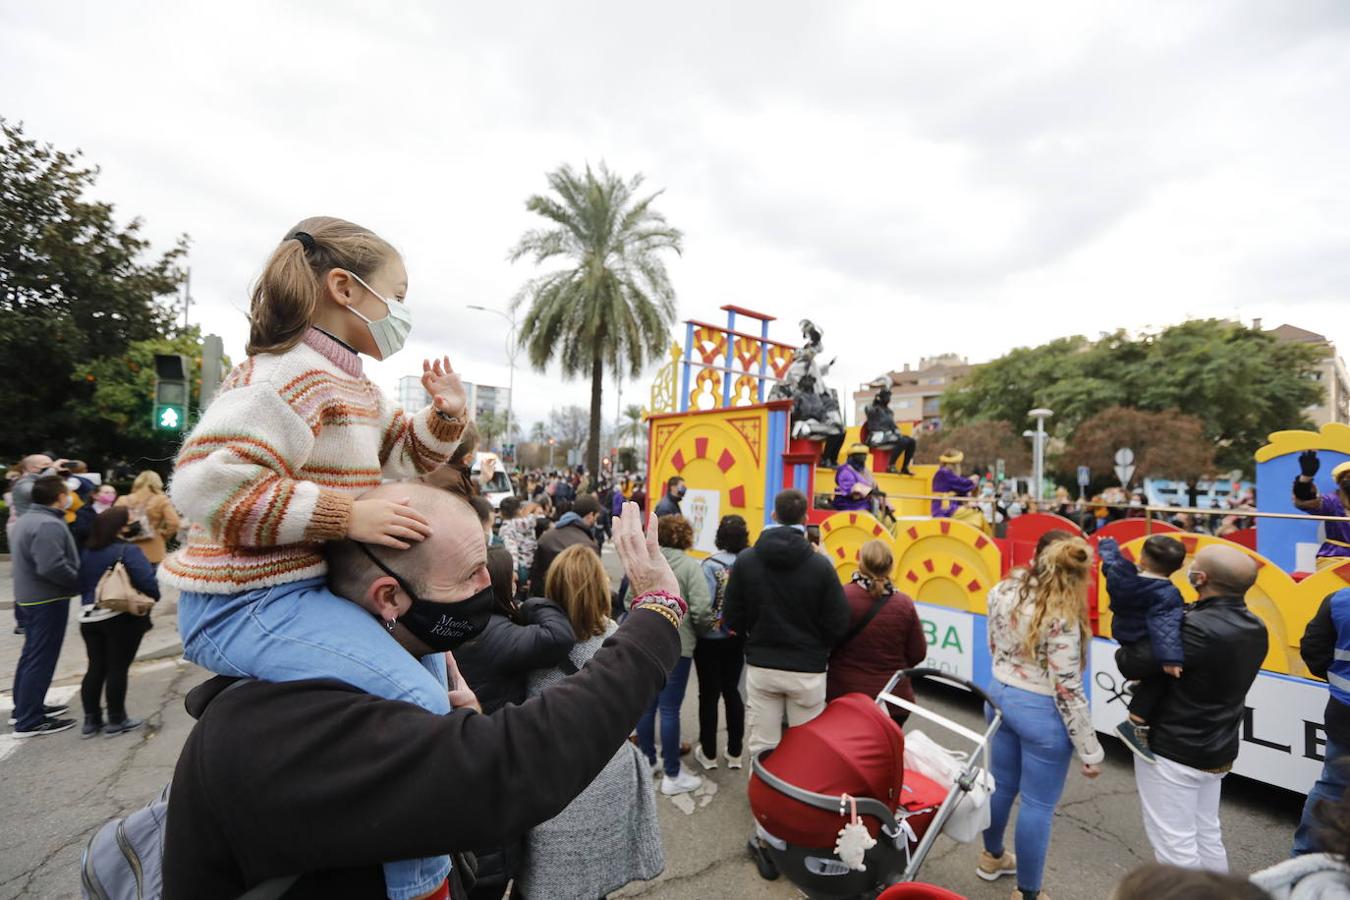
271	470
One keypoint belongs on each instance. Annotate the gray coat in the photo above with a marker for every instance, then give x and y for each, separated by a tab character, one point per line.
609	835
44	560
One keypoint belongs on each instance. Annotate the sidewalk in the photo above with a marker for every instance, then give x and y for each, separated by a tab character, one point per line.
160	642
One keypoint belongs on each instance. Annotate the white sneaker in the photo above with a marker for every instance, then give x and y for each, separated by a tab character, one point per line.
703	760
735	762
682	783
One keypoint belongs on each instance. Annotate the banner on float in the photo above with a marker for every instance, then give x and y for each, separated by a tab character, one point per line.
1282	730
703	509
951	640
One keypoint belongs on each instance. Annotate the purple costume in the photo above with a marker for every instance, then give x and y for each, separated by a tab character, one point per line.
948	482
1337	533
845	477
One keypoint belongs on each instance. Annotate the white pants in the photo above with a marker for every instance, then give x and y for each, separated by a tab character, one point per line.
1181	814
771	692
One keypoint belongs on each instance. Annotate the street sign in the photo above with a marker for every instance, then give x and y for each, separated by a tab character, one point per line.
1084	476
1124	465
1000	470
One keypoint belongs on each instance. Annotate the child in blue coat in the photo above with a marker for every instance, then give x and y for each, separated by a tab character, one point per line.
1145	606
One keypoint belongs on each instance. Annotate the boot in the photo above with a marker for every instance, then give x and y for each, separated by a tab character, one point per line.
93	724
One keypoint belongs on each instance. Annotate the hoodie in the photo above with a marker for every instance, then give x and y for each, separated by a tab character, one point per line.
786	599
1314	876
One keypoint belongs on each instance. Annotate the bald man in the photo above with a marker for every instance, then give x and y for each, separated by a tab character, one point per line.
1195	728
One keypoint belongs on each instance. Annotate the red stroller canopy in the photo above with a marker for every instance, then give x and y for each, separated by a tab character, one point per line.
853	747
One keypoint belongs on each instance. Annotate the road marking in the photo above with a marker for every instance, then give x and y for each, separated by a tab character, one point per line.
8	742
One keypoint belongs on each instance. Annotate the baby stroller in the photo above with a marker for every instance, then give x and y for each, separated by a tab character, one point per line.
855	749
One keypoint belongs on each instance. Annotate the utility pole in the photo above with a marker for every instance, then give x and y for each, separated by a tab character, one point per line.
1040	415
187	296
512	350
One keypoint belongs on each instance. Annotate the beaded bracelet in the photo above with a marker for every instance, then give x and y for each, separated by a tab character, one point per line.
674	601
664	611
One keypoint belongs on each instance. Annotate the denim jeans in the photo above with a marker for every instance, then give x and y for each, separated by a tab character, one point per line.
1331	784
668	702
44	633
1029	755
301	630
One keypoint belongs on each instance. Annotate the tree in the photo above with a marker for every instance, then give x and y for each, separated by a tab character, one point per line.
538	433
75	289
612	304
632	429
983	443
1165	444
491	425
568	425
1240	382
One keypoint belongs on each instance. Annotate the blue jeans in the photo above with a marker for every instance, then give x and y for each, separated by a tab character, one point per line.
301	630
1331	784
1029	755
44	625
668	701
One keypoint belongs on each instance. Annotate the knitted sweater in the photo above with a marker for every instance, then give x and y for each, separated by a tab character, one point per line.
271	470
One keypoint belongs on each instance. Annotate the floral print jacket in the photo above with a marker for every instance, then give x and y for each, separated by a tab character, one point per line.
518	536
1056	670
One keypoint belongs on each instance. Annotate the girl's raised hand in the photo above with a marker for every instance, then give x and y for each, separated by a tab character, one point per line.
388	523
446	390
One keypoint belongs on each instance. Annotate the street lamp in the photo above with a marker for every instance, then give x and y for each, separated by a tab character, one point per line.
1040	415
512	349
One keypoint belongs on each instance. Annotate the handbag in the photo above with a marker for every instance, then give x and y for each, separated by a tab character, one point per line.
115	591
972	813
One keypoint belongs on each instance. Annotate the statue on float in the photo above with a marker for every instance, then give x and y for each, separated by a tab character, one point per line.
815	408
855	488
1335	549
950	483
881	432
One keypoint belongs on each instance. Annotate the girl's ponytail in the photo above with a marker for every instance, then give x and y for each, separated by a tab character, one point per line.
875	561
287	294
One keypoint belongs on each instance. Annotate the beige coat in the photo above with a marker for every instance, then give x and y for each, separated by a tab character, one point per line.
164	522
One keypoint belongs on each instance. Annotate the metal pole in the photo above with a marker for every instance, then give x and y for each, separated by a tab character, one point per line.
187	296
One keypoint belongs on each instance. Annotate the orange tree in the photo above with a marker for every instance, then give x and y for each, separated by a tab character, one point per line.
1166	444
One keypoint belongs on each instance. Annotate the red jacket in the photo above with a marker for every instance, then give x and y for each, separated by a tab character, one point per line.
892	640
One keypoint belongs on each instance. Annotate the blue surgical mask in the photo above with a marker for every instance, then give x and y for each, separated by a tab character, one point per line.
391	331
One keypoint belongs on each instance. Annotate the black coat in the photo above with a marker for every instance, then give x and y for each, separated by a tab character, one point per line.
1196	722
495	663
320	778
786	599
553	542
1318	649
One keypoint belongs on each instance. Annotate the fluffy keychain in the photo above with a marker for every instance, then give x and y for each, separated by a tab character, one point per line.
854	841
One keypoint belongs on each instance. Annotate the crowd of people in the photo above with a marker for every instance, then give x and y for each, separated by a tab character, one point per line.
483	710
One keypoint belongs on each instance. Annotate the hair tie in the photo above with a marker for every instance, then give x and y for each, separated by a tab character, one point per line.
306	240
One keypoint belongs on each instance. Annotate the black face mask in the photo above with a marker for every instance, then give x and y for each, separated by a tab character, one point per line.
858	462
679	492
441	626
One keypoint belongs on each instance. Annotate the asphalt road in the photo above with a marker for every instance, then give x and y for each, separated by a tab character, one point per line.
55	791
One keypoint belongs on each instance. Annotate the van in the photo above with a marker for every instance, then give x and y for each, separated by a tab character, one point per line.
499	487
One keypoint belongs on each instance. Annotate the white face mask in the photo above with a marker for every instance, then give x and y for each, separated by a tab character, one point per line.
391	331
65	502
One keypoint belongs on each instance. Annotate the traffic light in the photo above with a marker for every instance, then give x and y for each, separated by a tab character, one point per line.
171	392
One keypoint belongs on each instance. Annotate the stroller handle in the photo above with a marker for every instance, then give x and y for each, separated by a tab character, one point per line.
944	677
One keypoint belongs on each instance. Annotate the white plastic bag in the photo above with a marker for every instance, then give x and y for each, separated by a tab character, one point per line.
930	759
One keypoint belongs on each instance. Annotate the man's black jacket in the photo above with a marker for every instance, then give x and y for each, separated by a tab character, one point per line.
787	601
553	542
1318	649
317	777
1196	722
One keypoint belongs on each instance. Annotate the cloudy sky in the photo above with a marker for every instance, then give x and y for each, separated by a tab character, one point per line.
916	177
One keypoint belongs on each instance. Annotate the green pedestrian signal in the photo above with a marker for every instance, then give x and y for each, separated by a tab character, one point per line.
171	392
169	418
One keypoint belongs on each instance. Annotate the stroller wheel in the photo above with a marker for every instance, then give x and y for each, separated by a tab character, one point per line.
767	870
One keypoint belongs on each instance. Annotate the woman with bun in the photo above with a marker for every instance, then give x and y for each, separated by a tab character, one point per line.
1038	637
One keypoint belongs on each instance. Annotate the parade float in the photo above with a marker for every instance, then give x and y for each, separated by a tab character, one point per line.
722	417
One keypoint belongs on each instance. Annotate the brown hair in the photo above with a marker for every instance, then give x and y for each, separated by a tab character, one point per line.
287	294
875	560
1154	881
501	568
674	532
148	480
1057	585
468	444
577	582
108	527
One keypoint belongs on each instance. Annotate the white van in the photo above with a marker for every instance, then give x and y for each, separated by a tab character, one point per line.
500	486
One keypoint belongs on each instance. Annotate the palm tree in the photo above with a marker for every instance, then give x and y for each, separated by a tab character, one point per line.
490	425
632	428
612	304
538	433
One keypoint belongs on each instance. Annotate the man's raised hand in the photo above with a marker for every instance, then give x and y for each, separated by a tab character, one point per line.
643	562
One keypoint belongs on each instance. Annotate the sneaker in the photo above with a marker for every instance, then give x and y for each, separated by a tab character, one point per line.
735	762
92	725
1135	738
1040	895
18	629
768	870
47	711
704	761
992	868
48	726
682	783
115	728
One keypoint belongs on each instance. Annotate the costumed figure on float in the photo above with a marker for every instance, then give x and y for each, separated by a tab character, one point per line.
855	488
815	408
881	432
949	482
1335	547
